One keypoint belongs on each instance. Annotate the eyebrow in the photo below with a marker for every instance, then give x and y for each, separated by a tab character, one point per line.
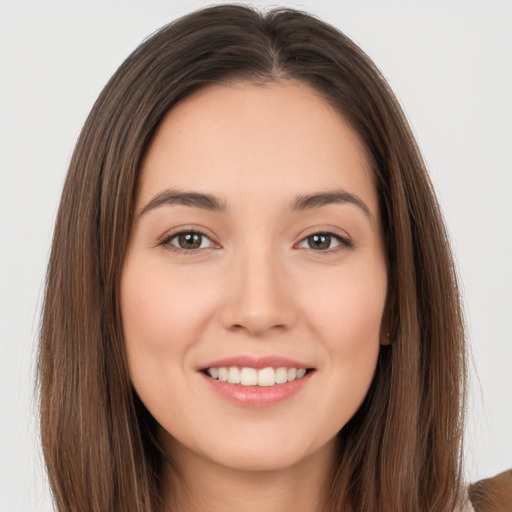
213	203
310	201
192	199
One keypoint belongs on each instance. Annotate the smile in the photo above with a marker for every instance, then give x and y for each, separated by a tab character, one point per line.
257	381
247	376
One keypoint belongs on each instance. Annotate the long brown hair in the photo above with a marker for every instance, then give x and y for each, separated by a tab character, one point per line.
402	450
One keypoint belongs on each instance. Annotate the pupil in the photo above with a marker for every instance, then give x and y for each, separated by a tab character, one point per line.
319	241
190	241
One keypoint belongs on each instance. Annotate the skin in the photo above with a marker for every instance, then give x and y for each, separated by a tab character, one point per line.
255	287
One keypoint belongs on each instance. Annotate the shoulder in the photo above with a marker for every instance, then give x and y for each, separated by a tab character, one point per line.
492	494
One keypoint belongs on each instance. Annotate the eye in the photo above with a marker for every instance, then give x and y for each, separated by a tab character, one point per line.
187	241
324	242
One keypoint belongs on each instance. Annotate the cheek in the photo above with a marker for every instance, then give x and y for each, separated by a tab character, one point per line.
346	317
162	316
346	309
352	338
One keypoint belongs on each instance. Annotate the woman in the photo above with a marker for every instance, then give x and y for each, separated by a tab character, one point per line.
251	299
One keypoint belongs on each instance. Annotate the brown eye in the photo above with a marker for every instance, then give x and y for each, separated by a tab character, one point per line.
325	242
188	241
320	241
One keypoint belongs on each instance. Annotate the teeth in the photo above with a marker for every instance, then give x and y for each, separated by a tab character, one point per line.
223	374
247	376
281	375
266	377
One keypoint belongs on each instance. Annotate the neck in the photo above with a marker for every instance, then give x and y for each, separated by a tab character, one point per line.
199	485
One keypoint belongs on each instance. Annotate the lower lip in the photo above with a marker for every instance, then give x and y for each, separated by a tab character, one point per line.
257	396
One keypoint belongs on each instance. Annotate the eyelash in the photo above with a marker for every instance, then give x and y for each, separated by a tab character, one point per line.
343	242
166	241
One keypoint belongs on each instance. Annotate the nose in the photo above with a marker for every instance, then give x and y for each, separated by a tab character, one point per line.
258	295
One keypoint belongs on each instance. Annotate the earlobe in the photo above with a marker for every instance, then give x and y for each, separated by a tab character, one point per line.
385	338
386	332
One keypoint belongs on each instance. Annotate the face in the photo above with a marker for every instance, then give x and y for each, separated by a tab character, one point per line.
253	289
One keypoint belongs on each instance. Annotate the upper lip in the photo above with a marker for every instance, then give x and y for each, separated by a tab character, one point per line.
243	361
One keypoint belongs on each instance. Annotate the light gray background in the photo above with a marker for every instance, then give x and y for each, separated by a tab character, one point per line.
448	61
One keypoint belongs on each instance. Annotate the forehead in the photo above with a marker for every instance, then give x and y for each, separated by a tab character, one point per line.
270	141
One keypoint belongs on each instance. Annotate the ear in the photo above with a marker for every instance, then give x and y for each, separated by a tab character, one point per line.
385	327
385	337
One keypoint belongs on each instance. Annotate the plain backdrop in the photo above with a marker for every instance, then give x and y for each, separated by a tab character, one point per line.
450	64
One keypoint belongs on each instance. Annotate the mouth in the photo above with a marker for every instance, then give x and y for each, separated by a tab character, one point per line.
263	377
257	381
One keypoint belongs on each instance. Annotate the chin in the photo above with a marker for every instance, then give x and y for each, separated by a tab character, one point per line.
260	460
263	453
